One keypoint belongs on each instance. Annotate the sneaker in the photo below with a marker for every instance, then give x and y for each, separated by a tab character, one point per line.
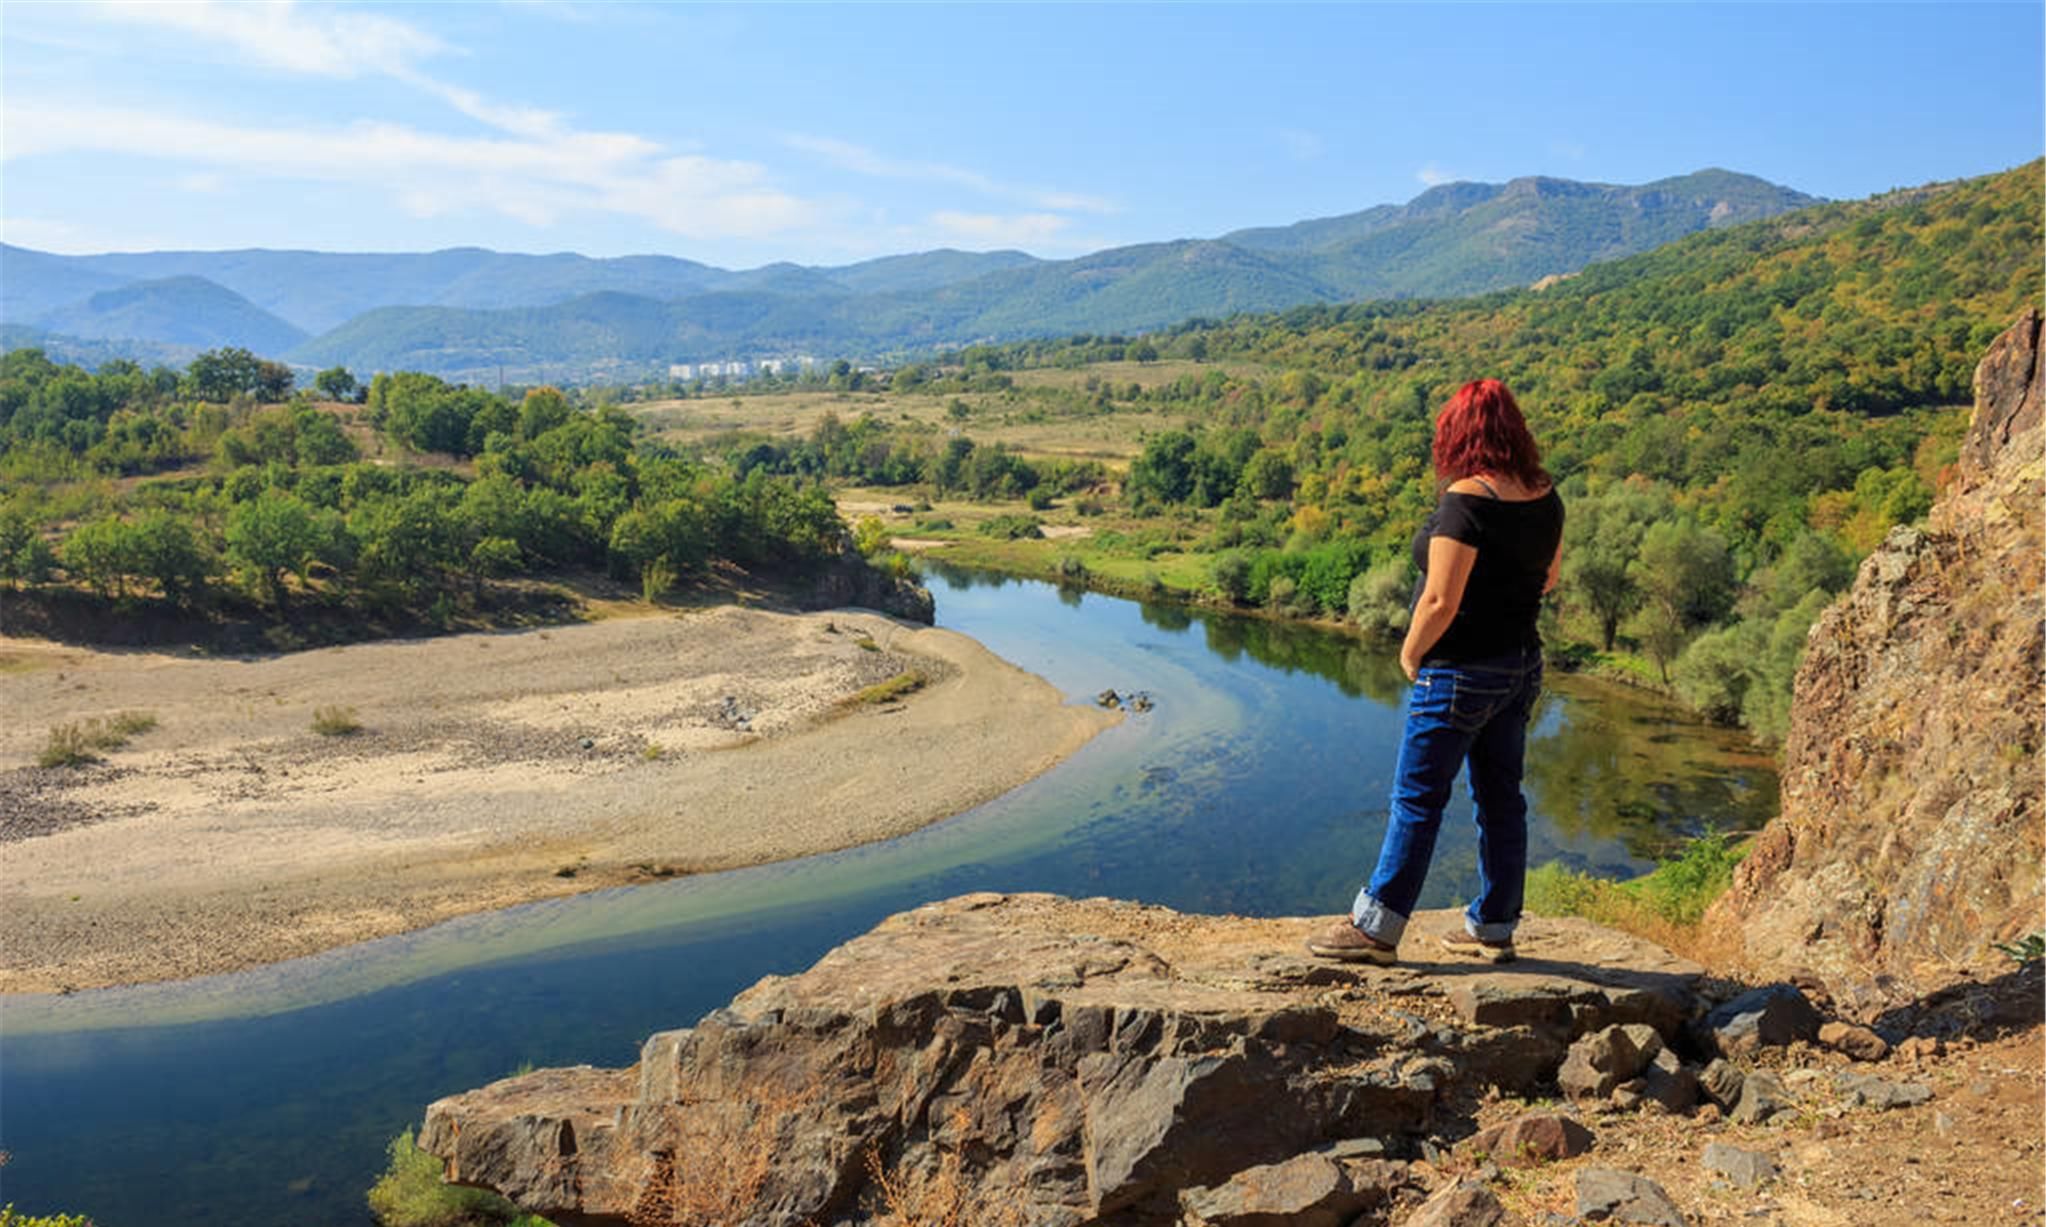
1460	942
1345	941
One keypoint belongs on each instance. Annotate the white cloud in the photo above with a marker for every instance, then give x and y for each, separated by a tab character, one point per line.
324	40
535	180
534	167
864	161
1433	175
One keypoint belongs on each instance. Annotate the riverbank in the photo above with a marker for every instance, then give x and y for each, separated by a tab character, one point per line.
488	770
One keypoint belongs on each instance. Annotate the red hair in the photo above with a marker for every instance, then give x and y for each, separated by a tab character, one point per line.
1481	430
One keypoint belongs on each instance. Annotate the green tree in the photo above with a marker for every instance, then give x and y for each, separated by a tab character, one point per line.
102	553
336	383
276	534
168	550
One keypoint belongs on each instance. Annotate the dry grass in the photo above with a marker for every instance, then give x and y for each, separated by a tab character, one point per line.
80	742
724	1153
335	721
943	1197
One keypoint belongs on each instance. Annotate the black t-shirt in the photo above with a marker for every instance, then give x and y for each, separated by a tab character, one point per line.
1515	541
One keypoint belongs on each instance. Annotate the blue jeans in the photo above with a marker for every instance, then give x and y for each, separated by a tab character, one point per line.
1475	712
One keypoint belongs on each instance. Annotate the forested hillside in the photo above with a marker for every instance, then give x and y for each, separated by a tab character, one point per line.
1735	418
244	501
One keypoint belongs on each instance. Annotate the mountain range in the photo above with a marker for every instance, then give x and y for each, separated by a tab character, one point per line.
477	314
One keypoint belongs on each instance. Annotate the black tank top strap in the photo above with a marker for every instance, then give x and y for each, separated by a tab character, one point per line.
1486	484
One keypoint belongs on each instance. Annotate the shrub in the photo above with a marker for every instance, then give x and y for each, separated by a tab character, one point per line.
78	743
655	578
1232	576
1011	527
908	682
10	1217
1378	600
410	1193
1039	498
335	721
1072	569
1282	595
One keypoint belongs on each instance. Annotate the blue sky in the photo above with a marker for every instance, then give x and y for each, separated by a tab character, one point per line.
824	134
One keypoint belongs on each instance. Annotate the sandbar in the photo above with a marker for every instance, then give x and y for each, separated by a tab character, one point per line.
489	770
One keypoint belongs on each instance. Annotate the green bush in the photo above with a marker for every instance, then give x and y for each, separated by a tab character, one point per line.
1378	599
10	1217
410	1193
1011	527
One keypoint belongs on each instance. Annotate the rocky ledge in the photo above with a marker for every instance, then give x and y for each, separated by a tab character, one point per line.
1038	1060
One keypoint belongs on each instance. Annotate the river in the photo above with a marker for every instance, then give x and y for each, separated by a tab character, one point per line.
1255	785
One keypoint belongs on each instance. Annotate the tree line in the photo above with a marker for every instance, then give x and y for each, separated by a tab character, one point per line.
274	503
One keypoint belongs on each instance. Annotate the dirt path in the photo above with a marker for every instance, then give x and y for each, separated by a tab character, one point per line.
489	770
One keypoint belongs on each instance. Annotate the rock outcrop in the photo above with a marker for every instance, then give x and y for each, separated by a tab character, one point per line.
1910	836
1035	1060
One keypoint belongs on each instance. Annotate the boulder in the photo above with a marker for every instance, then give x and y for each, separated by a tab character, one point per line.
1608	1196
1747	1169
1310	1190
1601	1061
1867	1090
1912	835
1465	1203
1762	1096
1721	1082
1770	1017
1539	1137
1858	1042
1063	1062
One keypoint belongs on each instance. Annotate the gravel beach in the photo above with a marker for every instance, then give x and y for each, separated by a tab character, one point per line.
488	770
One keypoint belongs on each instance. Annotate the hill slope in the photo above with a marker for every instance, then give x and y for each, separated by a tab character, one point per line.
178	311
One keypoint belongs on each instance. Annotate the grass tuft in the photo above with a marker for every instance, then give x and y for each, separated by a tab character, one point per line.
907	682
80	742
335	721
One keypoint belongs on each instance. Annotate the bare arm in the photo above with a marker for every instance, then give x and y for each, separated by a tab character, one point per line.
1449	569
1555	571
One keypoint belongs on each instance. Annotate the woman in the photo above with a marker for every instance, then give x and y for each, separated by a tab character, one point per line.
1487	556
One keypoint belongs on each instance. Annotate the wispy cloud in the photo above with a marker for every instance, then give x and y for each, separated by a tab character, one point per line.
327	40
533	166
535	181
860	160
1434	176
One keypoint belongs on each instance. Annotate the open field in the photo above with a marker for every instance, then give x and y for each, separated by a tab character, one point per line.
286	805
1028	418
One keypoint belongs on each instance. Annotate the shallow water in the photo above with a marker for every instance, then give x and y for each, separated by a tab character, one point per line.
1256	785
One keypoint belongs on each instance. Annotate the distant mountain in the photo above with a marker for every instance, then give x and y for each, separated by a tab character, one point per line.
467	313
32	282
1467	238
181	311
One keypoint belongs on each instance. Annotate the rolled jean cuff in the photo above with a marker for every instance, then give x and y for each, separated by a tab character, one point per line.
1497	931
1376	919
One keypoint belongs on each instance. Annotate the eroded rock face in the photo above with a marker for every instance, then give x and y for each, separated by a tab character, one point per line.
1051	1062
1910	837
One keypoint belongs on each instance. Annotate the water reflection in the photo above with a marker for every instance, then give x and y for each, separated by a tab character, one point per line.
1257	786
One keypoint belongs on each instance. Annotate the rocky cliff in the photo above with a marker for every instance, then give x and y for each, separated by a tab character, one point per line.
1910	837
1035	1060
